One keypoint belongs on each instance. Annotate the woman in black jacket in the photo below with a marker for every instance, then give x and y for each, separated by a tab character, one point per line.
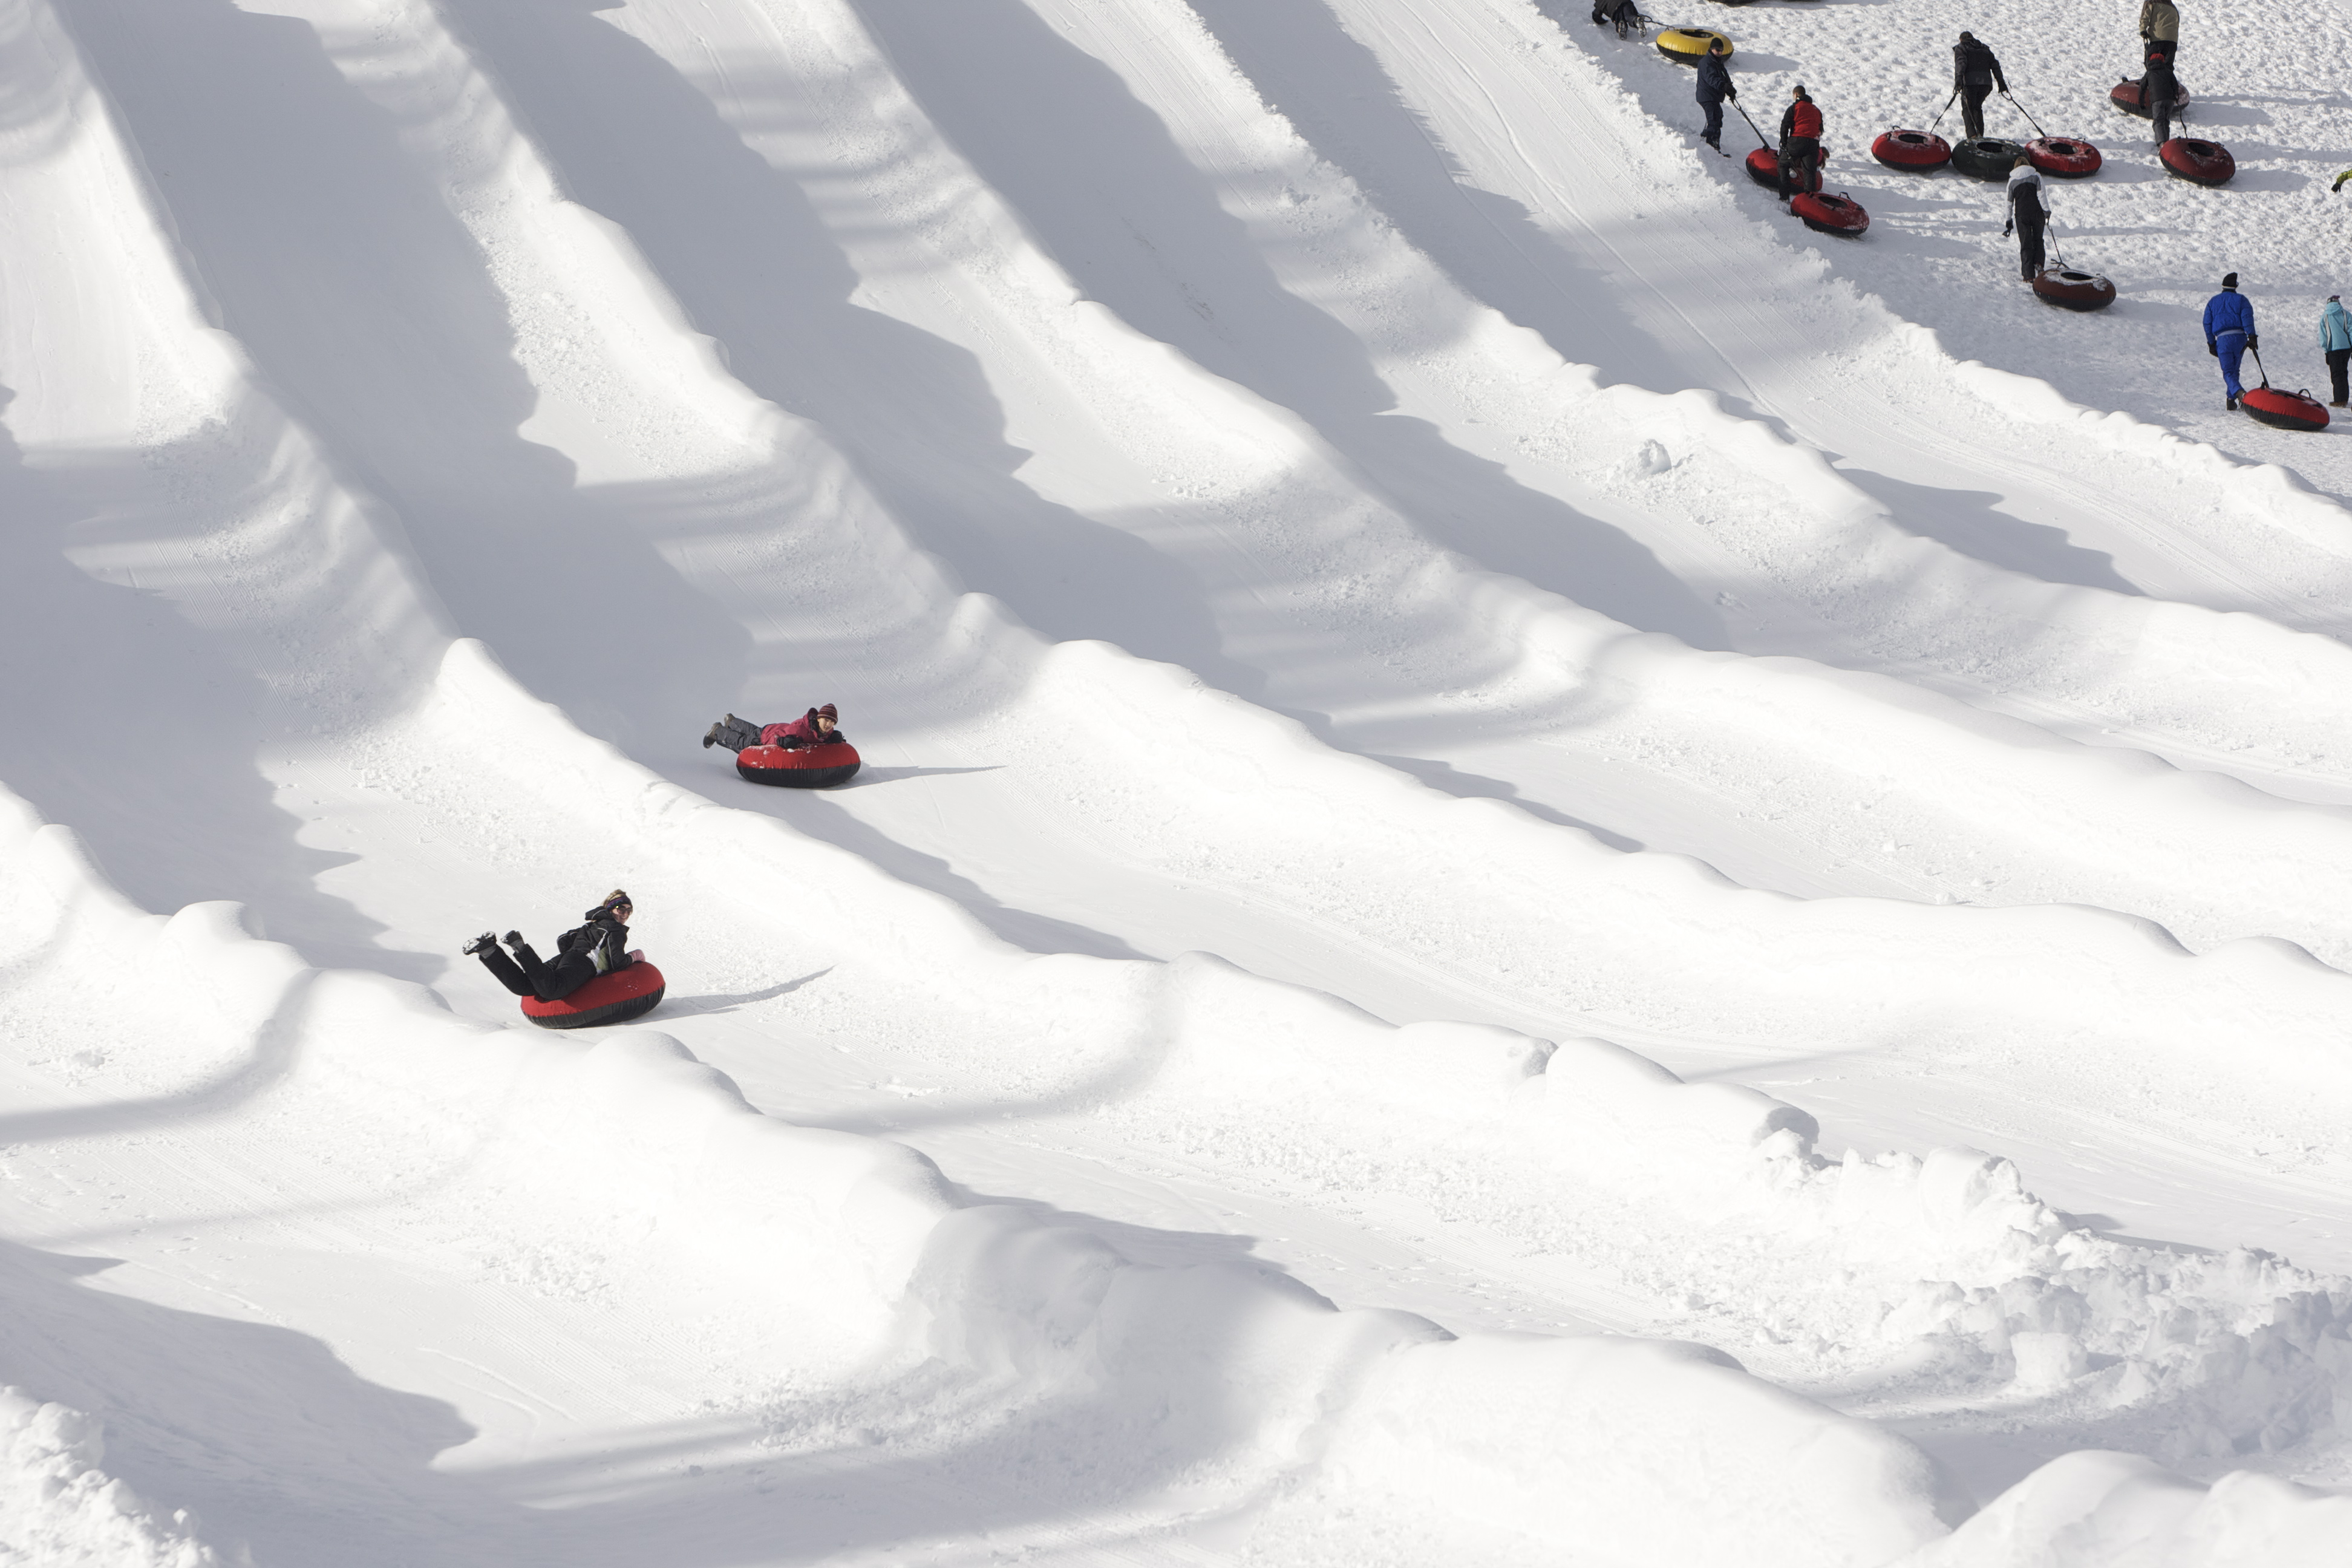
583	953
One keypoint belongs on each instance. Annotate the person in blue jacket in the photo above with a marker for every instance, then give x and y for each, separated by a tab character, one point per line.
2229	334
2336	342
1714	87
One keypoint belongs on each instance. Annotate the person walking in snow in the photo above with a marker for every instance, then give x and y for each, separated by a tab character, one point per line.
2229	334
581	953
1625	14
2029	209
1975	73
2159	28
1714	87
2336	342
2159	93
1800	144
815	727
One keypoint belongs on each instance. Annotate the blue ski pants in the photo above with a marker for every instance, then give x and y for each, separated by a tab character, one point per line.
2230	349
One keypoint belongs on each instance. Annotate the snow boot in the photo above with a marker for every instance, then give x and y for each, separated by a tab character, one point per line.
479	943
2230	405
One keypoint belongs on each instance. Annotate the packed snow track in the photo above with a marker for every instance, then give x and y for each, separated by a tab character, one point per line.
1545	871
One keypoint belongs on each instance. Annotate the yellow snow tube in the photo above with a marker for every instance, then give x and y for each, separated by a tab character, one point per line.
1688	44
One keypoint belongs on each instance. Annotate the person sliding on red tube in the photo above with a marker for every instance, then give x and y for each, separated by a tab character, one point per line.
2229	334
1975	73
581	953
2029	209
814	728
1800	144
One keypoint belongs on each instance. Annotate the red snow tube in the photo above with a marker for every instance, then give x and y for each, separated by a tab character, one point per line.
2287	410
1764	167
614	998
2071	290
2066	157
1830	215
805	767
2126	95
1918	150
2198	163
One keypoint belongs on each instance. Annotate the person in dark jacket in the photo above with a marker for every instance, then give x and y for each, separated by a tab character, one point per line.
816	727
2029	209
1800	144
2229	334
1975	73
1625	14
1714	87
581	955
2159	93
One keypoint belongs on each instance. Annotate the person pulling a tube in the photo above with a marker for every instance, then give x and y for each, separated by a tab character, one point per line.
581	953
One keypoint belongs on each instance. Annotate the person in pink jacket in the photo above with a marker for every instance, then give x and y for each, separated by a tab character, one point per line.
817	727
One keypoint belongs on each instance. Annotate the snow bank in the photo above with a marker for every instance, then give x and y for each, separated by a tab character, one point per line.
60	1508
1708	1194
2096	1509
622	1167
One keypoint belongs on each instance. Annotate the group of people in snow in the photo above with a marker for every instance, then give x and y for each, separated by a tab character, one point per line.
601	945
2230	333
1975	77
1800	122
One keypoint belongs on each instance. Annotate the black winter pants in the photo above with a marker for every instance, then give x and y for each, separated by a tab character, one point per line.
1713	134
525	975
1800	164
2160	112
2337	359
1972	102
2029	250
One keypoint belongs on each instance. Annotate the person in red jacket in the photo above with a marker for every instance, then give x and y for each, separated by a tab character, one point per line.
816	727
1800	144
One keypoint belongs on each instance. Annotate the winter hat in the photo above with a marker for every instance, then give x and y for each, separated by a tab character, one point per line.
830	712
612	901
1968	38
2332	299
2231	281
1800	93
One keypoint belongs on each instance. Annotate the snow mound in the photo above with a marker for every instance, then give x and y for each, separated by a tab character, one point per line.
2097	1510
60	1508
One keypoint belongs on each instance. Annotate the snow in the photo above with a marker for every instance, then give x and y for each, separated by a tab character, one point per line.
1546	871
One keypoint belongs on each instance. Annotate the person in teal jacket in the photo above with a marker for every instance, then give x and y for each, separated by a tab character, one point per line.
2336	342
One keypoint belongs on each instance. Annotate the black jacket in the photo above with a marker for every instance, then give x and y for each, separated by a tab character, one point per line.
1715	80
603	943
1973	66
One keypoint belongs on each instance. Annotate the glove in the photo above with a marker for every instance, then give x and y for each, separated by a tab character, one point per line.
2339	185
2006	228
2213	349
2253	341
